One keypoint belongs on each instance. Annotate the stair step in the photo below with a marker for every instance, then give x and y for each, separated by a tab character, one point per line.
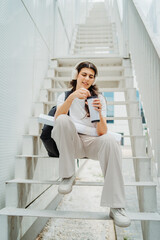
123	118
77	183
100	89
95	48
93	37
45	156
89	46
98	60
87	26
98	25
108	102
94	52
122	102
123	136
104	41
98	30
106	32
137	216
100	68
100	36
10	211
107	78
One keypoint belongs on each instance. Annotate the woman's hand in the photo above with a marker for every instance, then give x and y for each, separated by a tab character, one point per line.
80	93
97	105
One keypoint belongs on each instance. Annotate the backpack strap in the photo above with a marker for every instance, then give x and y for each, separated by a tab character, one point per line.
67	93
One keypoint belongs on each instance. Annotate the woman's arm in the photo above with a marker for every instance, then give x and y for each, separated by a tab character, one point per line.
64	108
102	125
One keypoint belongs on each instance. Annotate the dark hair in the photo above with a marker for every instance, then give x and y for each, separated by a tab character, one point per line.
93	88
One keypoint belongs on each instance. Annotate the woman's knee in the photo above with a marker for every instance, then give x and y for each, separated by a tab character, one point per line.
62	119
64	122
108	138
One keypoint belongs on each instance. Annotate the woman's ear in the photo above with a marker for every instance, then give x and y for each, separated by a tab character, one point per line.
95	80
74	74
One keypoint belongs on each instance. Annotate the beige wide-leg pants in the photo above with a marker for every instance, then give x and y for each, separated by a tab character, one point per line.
104	148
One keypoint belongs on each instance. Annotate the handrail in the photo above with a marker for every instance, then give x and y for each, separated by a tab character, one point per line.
65	30
36	26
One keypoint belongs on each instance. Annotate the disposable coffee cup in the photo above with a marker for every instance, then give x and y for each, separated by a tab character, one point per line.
94	115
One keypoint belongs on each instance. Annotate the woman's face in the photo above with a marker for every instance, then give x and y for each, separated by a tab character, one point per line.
85	78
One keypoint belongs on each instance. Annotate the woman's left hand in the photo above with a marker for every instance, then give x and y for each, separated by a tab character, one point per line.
97	105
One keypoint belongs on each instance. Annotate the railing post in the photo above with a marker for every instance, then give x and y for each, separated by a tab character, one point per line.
125	29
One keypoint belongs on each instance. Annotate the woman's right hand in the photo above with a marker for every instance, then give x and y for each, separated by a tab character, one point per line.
81	93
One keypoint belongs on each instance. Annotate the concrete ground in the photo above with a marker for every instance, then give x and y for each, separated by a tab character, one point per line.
88	199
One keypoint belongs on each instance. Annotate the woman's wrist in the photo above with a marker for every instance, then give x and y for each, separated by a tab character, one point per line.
71	97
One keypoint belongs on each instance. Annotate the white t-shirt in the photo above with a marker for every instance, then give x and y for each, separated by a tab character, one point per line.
77	110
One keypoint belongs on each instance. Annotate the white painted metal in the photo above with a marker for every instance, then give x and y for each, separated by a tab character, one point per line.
4	227
12	183
28	145
147	197
129	91
34	126
75	215
145	53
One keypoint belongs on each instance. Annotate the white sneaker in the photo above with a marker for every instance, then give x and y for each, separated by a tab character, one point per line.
66	185
120	217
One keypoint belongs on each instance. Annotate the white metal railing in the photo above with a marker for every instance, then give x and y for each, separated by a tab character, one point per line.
141	43
37	28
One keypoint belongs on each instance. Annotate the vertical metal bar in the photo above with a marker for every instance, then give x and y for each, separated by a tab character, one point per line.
4	227
125	26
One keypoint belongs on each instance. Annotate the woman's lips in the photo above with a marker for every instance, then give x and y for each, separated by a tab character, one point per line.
85	83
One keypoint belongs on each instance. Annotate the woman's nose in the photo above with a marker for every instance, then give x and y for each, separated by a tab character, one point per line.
87	77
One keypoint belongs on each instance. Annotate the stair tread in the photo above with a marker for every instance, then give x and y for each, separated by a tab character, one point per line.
94	44
100	68
98	25
45	156
123	136
108	102
11	211
77	183
100	89
107	78
77	58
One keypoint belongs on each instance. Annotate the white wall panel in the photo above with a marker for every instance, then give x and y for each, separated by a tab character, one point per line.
24	53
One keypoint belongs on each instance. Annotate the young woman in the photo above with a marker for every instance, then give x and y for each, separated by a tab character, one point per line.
102	147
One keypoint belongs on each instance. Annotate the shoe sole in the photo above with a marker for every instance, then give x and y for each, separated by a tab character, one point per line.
64	192
119	224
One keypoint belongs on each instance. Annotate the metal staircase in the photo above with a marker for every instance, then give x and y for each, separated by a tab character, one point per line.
30	198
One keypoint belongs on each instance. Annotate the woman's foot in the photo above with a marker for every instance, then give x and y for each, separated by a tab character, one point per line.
66	185
120	217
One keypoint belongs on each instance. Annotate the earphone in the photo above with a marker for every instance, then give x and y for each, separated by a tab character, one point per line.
75	73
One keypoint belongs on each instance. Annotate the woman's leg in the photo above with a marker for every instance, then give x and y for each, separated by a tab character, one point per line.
108	152
68	143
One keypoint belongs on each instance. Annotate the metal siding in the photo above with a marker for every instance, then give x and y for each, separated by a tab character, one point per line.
23	64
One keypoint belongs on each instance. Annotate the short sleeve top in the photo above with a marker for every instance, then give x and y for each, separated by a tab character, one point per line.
78	112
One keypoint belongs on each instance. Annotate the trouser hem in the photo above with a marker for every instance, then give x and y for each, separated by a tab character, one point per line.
111	205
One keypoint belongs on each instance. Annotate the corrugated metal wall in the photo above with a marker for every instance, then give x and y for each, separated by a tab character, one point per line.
26	44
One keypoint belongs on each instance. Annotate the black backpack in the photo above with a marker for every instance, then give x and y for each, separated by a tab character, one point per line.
49	142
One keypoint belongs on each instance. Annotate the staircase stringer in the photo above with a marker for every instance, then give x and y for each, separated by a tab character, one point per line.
147	197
